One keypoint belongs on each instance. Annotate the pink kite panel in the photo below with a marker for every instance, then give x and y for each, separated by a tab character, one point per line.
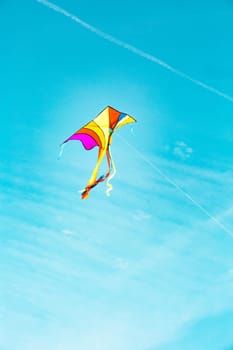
87	141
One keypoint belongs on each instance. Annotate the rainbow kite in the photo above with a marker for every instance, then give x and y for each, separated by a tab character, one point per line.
98	133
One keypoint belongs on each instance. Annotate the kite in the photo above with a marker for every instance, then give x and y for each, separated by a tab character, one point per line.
98	133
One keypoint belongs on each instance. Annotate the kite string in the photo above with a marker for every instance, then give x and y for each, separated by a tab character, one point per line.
180	189
112	175
134	50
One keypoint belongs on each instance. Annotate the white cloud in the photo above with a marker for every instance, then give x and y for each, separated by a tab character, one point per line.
121	264
67	232
228	213
141	215
182	151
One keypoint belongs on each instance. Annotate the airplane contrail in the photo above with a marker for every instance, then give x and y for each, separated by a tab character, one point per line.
134	50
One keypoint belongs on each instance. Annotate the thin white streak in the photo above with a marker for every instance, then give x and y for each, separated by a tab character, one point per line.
180	189
134	50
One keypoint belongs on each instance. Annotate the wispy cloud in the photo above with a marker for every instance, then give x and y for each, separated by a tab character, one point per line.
191	334
121	263
68	232
182	151
141	215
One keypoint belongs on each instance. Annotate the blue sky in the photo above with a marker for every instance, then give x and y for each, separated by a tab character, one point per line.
144	269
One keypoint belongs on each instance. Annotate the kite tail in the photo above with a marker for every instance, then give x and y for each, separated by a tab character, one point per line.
109	189
93	181
61	151
87	189
132	131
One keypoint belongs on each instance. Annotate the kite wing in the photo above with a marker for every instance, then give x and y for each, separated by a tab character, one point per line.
98	133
